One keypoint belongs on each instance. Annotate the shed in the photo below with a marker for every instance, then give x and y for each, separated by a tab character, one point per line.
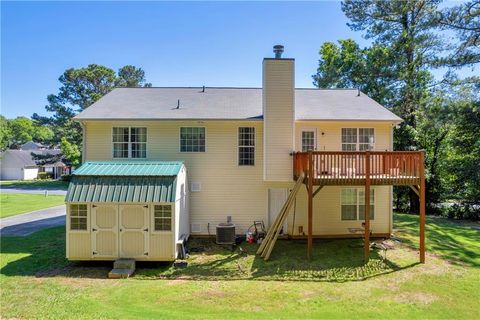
127	209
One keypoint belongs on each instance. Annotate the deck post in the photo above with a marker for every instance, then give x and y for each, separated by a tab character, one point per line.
422	207
310	205
367	206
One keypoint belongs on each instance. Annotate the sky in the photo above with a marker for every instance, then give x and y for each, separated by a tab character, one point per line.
177	44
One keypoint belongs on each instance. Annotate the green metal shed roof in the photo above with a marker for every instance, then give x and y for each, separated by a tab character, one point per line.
129	168
121	189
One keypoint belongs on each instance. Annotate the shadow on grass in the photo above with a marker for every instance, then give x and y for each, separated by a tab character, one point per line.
42	254
455	241
333	261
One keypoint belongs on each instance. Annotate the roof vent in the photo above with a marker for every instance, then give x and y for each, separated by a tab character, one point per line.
278	50
178	104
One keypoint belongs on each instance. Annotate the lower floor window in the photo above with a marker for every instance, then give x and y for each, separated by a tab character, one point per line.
78	217
163	218
353	204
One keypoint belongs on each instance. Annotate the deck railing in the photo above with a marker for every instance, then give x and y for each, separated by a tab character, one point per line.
350	167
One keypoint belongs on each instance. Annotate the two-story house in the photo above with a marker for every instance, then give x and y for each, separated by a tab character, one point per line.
241	149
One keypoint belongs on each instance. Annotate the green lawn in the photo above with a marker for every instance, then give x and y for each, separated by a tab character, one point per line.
37	282
15	203
35	184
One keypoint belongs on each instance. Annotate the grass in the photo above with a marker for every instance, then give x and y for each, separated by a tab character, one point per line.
16	203
35	184
37	282
456	241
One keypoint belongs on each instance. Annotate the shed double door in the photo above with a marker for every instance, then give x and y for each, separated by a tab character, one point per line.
120	231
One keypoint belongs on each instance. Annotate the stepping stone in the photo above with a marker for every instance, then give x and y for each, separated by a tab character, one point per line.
120	273
122	268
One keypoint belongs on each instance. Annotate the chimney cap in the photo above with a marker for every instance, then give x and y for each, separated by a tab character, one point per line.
278	50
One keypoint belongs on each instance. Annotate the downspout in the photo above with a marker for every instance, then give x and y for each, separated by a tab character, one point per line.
84	149
391	187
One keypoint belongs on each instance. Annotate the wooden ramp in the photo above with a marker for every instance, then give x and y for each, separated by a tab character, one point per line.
268	243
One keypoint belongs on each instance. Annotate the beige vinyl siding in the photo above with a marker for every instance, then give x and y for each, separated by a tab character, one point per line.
331	140
226	188
278	115
240	191
327	216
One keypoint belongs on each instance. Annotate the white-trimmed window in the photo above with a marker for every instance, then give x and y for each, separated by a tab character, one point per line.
309	140
78	217
162	218
129	142
358	139
353	204
246	146
192	139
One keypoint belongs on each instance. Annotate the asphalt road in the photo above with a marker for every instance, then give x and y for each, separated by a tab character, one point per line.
28	223
54	192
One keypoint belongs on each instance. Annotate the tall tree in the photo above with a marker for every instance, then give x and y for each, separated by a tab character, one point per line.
408	29
21	130
80	89
131	76
464	20
5	133
461	166
346	65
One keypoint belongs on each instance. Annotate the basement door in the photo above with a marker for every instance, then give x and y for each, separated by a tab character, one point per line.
119	231
276	199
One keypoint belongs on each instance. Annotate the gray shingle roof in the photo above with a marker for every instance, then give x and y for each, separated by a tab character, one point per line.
231	104
20	158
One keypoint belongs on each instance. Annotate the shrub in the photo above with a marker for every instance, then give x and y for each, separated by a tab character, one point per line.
463	211
43	175
67	177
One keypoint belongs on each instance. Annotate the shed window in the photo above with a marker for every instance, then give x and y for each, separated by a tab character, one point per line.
358	139
353	204
129	142
78	217
192	139
246	146
163	218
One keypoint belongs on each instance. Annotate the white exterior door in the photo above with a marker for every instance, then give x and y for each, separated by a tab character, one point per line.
276	200
133	230
104	231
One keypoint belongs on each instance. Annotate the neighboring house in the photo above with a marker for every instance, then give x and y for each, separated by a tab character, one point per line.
238	146
21	165
33	146
17	165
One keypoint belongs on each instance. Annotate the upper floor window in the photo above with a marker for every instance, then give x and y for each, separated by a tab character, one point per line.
192	139
308	140
353	204
358	139
129	142
246	146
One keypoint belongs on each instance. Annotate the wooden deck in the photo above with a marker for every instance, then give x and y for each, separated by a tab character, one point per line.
349	167
362	168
